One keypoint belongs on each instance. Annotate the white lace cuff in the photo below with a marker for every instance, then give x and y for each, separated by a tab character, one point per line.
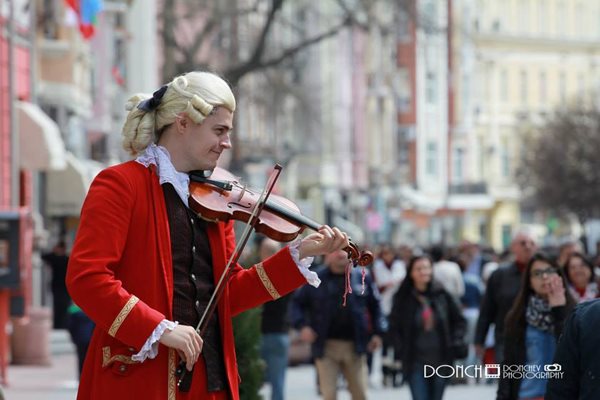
303	264
150	348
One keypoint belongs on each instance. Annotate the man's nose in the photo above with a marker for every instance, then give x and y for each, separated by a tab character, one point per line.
226	142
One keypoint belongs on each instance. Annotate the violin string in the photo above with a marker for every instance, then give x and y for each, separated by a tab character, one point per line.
237	249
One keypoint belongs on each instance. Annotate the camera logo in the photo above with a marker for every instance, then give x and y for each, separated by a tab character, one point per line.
553	367
492	371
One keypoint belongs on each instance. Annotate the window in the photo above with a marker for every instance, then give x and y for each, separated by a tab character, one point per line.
561	19
406	134
581	26
403	25
524	99
505	160
504	85
506	235
543	87
403	89
431	92
458	164
542	15
496	25
431	160
524	17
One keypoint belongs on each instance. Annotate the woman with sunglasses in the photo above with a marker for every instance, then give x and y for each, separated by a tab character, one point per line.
532	326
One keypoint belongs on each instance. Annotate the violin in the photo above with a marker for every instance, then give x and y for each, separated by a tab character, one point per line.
221	197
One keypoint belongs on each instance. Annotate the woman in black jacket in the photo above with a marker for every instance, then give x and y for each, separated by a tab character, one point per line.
426	328
532	326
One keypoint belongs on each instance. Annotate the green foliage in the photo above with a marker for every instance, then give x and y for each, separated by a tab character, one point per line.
246	328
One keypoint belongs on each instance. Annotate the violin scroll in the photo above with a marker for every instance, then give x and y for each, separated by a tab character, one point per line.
362	258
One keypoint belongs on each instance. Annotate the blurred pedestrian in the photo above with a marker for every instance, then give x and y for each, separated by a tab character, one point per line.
447	273
566	248
470	302
427	328
275	340
577	356
532	326
80	328
335	319
388	273
58	260
579	272
500	293
473	257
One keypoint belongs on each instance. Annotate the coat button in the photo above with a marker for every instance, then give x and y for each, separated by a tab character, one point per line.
193	249
197	303
132	349
192	221
123	368
193	277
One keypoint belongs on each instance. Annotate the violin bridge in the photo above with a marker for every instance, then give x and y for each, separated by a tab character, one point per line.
242	192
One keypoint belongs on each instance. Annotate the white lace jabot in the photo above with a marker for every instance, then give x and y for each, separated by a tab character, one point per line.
167	173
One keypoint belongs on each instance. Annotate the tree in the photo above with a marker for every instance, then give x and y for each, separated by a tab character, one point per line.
203	34
560	165
266	38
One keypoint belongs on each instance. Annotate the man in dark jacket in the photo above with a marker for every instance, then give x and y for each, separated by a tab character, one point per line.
501	291
341	326
577	355
58	259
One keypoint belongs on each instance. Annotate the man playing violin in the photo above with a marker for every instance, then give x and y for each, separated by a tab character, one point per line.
144	266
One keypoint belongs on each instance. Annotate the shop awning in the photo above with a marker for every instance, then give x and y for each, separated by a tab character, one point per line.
40	145
66	189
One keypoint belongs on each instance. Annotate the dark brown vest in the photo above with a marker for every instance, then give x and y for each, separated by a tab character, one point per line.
194	282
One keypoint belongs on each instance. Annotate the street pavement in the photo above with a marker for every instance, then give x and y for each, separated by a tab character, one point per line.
58	381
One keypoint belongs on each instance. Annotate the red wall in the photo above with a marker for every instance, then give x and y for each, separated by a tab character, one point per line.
22	91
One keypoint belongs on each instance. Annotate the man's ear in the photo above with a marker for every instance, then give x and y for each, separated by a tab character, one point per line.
182	122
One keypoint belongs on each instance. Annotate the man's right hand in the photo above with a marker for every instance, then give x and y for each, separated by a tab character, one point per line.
307	334
186	341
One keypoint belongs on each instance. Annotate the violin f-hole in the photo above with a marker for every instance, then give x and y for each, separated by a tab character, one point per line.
235	203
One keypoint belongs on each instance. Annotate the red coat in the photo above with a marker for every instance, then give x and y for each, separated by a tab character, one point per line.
120	273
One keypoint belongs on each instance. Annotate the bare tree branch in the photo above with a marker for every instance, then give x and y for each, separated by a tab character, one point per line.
262	39
237	72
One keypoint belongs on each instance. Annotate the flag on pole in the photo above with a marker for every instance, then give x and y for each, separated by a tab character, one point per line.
87	13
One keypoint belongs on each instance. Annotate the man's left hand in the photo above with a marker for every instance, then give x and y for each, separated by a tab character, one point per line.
325	241
374	343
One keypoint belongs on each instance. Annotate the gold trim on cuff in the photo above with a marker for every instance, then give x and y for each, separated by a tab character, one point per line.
122	315
264	278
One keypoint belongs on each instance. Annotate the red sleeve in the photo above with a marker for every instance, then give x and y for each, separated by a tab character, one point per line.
268	280
97	251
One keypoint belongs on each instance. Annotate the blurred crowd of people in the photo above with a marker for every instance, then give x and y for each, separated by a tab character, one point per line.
419	308
423	308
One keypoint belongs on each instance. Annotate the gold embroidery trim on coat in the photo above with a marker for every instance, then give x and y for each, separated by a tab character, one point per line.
107	359
172	381
262	274
122	315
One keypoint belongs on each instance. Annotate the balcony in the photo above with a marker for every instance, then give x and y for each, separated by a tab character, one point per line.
468	188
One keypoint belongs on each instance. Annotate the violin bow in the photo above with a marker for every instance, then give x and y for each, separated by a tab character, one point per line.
184	376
